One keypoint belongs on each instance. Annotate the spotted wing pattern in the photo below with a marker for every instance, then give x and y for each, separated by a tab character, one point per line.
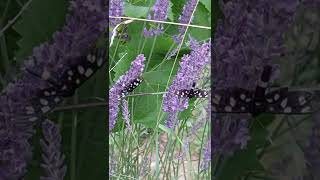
190	93
278	101
132	85
71	79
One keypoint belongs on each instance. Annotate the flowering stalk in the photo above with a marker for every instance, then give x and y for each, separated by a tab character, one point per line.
190	69
206	155
116	8
185	18
53	160
21	104
248	38
135	71
159	12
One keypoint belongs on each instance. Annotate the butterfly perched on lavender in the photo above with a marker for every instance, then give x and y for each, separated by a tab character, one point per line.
75	75
131	86
263	100
193	92
65	84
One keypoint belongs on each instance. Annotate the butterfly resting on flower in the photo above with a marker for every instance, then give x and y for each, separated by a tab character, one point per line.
264	100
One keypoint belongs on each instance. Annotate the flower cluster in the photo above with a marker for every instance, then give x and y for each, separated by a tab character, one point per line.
135	71
53	160
159	13
190	69
21	107
185	18
247	39
116	8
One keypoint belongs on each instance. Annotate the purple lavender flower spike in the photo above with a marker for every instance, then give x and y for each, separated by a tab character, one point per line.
20	100
126	113
184	18
53	160
206	155
116	8
159	13
135	71
247	39
190	69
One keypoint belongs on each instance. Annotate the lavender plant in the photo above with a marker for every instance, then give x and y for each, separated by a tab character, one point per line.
23	105
53	159
190	68
116	8
157	96
248	38
185	18
135	71
159	13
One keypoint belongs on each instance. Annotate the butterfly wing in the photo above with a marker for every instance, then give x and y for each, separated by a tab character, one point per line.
289	102
184	93
131	86
236	100
198	93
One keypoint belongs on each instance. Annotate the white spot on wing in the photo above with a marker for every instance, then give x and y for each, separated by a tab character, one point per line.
302	100
80	69
284	103
88	72
232	101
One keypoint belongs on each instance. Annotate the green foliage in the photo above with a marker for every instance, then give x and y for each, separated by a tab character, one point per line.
37	24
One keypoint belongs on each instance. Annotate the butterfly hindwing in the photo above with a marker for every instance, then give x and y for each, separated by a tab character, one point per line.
291	102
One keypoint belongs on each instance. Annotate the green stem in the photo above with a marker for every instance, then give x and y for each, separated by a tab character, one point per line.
73	156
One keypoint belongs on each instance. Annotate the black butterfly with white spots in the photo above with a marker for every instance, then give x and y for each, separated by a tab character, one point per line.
132	85
68	82
190	93
263	100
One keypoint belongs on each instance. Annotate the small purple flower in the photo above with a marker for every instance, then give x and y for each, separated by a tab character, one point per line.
116	8
53	160
135	71
184	18
190	69
159	13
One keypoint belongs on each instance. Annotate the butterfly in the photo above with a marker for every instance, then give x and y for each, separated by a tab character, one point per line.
76	74
47	98
190	93
263	100
131	86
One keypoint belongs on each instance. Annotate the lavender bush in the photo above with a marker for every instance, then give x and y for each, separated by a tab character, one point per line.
23	105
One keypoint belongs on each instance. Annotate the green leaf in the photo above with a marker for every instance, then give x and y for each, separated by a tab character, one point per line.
38	23
135	11
240	163
207	4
